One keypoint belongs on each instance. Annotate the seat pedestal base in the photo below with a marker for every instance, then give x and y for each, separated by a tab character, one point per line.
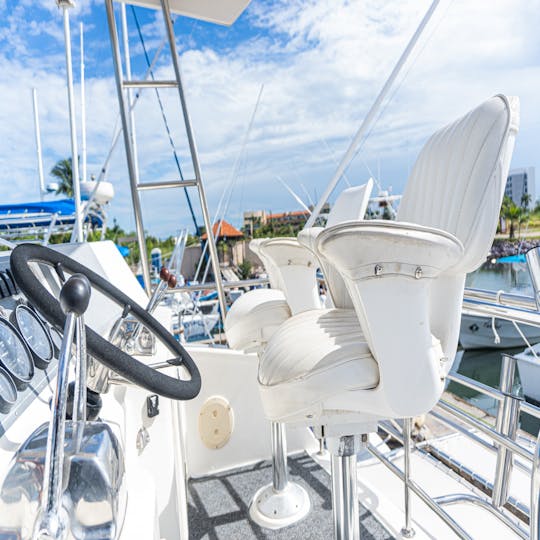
276	509
280	503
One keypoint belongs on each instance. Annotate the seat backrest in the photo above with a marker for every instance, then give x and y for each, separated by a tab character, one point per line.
292	268
351	205
274	275
457	185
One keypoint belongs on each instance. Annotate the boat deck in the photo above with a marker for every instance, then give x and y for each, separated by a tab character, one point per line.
219	504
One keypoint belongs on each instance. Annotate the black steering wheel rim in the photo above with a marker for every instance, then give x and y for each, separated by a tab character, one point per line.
98	347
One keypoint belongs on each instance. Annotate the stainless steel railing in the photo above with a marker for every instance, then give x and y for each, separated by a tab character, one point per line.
521	517
512	513
263	282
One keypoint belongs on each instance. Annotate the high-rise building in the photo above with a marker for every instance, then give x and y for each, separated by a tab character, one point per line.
520	185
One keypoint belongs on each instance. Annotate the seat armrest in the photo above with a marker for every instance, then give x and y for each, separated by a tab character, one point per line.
308	237
286	251
389	269
367	249
255	245
295	268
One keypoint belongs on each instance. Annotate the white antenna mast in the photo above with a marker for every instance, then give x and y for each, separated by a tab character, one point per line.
66	5
38	145
83	109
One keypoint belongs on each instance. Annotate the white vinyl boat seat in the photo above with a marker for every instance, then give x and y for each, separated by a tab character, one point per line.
332	357
291	268
405	280
254	317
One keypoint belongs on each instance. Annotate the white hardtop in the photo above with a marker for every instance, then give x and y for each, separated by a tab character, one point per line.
215	11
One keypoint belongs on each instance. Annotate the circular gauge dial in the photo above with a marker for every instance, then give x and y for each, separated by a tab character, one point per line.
8	391
56	338
35	334
15	357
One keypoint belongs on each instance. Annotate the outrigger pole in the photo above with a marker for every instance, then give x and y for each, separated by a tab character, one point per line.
66	5
349	155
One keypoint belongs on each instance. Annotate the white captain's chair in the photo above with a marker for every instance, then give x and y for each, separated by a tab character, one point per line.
344	369
253	319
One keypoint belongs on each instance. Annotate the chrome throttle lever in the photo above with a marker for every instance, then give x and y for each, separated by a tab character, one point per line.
167	280
52	520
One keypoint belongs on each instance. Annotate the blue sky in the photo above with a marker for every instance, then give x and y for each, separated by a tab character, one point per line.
321	62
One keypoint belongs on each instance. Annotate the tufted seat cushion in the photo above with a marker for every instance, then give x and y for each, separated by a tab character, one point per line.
254	317
330	355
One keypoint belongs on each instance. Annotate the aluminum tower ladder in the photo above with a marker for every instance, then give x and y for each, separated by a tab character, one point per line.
135	184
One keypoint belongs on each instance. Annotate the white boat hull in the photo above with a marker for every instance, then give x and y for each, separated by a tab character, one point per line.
477	333
529	373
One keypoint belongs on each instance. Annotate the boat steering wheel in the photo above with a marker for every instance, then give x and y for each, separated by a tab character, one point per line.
98	347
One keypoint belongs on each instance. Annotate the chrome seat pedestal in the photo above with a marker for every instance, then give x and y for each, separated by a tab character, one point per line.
280	503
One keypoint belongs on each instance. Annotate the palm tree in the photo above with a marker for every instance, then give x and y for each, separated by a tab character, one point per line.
511	213
526	200
64	173
523	218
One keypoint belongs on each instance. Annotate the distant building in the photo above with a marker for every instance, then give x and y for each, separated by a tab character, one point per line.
226	231
297	217
521	183
253	220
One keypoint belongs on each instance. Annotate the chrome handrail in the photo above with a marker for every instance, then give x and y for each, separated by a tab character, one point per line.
500	298
226	285
501	438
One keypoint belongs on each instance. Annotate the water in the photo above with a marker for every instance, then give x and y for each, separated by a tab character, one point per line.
484	365
508	277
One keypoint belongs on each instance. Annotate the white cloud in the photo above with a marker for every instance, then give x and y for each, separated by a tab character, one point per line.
322	64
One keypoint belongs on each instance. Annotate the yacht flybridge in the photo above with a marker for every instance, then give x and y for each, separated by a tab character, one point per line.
303	426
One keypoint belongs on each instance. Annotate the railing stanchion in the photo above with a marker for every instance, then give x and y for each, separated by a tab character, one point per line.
535	494
407	531
507	419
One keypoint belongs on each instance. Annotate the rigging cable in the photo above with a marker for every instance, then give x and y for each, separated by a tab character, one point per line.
176	159
223	204
400	83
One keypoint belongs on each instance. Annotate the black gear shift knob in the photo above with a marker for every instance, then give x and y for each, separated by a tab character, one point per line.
75	294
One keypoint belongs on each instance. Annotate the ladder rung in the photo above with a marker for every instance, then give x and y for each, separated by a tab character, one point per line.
150	84
166	185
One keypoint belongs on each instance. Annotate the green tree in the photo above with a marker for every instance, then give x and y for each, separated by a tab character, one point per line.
525	201
511	214
244	269
63	172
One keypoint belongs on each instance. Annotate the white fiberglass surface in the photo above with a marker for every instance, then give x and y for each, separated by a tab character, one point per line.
215	11
381	492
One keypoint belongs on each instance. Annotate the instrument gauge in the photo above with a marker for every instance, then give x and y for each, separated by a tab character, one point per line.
56	338
8	391
35	334
15	356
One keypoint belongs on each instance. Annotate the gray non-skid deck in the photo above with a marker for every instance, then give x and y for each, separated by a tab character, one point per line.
218	505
